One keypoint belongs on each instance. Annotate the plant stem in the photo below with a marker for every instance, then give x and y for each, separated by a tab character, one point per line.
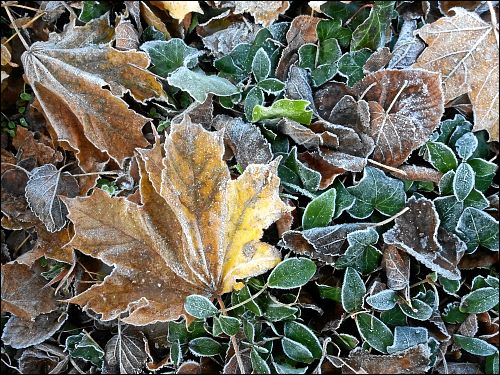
248	300
13	21
391	218
233	339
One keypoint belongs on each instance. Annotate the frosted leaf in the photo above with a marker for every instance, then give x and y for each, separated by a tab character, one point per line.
397	268
45	185
464	49
264	13
245	140
407	47
408	337
405	108
476	228
466	145
463	181
125	353
416	232
222	42
297	86
304	136
384	300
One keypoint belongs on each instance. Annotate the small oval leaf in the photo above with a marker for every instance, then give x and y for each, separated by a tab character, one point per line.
292	273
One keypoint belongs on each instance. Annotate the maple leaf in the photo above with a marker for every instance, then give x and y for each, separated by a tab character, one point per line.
196	232
68	73
464	49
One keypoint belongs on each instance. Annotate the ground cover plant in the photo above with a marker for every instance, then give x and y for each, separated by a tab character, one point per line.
249	187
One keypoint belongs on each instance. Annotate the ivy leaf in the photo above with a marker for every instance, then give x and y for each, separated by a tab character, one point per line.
291	273
353	291
476	228
372	32
83	346
351	64
479	300
374	332
463	181
408	337
293	109
200	307
271	86
319	211
440	156
92	10
376	191
254	97
199	85
167	56
204	347
261	65
485	172
474	346
293	171
361	254
155	235
302	334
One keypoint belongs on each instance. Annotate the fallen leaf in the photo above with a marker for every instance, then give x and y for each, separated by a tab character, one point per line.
222	42
125	353
417	232
405	108
409	361
25	293
372	32
464	49
446	7
44	186
152	19
315	162
27	146
304	136
43	358
67	74
397	268
179	9
192	231
126	36
245	140
407	48
264	13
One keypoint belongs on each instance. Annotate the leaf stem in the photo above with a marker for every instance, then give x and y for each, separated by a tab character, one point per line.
233	339
95	173
388	220
18	167
248	300
493	19
392	169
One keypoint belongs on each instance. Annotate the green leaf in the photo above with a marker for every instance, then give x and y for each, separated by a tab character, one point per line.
418	310
302	334
446	183
254	97
244	295
349	342
271	86
479	300
457	127
491	364
475	346
476	228
200	307
449	286
378	192
83	346
293	171
93	9
199	85
394	317
296	351
249	330
485	172
293	109
229	325
408	337
259	366
167	56
384	300
234	64
353	291
333	293
372	33
151	33
351	64
343	199
332	29
320	59
374	332
463	182
204	347
361	254
466	145
319	212
292	273
176	353
449	210
440	156
177	331
261	65
453	315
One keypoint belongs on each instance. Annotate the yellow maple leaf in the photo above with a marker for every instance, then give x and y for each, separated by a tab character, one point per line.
464	49
196	232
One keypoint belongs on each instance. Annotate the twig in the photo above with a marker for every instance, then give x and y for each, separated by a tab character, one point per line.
388	167
95	173
13	21
18	167
241	365
24	27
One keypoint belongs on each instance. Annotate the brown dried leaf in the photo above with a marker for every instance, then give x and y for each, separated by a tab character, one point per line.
198	235
125	353
24	293
21	333
27	146
302	30
464	49
43	358
410	361
264	12
405	108
304	136
245	140
68	73
397	268
126	36
446	6
417	232
179	9
328	171
45	185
